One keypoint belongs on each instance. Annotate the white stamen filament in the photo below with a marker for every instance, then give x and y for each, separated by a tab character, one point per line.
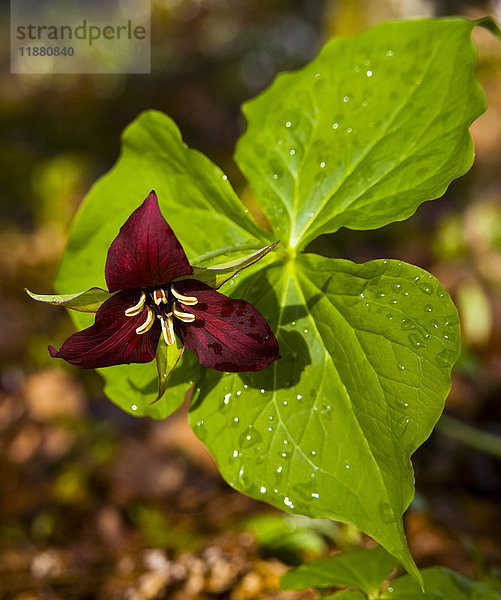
146	326
182	316
137	308
189	300
167	329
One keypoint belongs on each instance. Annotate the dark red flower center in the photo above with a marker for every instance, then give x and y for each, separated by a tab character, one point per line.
162	303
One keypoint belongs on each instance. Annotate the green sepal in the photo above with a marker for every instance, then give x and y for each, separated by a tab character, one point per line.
88	301
216	276
168	356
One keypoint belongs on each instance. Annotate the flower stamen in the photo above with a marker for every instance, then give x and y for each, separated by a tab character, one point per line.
147	325
167	329
137	308
183	316
189	300
159	296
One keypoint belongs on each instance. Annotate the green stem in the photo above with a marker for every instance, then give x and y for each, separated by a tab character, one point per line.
480	440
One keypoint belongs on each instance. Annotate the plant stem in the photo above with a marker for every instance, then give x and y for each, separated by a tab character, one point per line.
480	440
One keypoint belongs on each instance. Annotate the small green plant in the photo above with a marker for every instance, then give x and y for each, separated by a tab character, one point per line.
359	138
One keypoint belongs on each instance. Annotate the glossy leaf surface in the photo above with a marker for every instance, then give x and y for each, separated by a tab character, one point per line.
361	136
362	569
439	583
328	430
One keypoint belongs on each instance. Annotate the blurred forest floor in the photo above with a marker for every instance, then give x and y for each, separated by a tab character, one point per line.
97	504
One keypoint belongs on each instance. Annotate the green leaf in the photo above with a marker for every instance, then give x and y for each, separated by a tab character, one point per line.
88	301
365	570
360	137
328	430
168	356
216	276
346	595
199	204
440	584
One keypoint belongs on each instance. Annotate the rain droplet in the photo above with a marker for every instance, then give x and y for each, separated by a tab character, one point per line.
225	404
225	177
270	418
235	421
288	124
288	502
401	367
369	73
134	407
275	175
313	452
292	152
389	53
390	317
346	99
428	308
349	130
305	330
299	397
415	340
262	490
249	437
407	324
284	402
322	164
380	294
434	323
315	495
335	125
426	289
396	287
326	411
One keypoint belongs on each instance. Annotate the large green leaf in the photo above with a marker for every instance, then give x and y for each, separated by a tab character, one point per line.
361	136
328	430
362	569
199	204
367	570
440	584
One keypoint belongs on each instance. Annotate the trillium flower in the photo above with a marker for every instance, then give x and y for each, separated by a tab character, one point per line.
158	302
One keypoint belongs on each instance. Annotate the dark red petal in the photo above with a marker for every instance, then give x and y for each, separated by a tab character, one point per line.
146	252
112	340
227	335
